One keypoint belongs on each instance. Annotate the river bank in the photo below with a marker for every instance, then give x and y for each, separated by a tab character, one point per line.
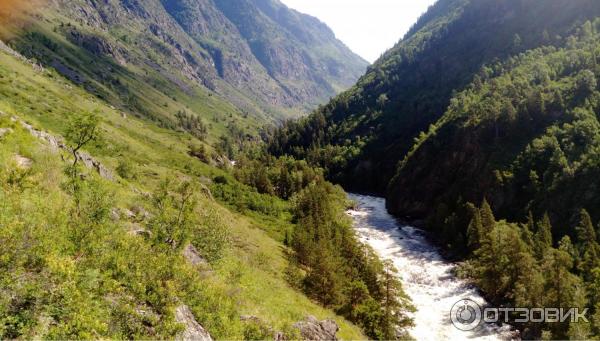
426	276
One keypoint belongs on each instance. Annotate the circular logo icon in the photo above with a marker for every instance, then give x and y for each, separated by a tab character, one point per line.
465	315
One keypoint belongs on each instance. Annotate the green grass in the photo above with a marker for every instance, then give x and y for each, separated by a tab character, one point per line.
252	272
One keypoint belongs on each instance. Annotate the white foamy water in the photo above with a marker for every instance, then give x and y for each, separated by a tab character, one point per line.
426	277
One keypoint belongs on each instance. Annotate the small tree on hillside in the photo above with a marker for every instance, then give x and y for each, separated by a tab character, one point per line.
81	130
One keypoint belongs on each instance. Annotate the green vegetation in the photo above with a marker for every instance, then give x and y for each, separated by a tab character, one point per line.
517	264
341	272
327	263
87	257
524	135
362	134
463	111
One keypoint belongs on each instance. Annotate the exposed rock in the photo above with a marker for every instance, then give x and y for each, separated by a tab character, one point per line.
312	329
138	230
250	318
206	191
140	213
54	142
95	44
193	256
280	336
5	131
114	214
193	330
92	163
23	162
127	213
57	143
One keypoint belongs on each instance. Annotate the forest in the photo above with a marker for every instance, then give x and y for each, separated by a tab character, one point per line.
505	178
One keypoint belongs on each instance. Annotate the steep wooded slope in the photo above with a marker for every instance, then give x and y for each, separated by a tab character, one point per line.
362	134
525	136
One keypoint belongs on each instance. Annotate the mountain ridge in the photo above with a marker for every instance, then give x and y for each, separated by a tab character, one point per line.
199	43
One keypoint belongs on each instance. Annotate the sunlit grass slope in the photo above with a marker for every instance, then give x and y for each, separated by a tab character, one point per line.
58	282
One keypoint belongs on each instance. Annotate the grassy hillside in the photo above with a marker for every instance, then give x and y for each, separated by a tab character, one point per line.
154	57
86	261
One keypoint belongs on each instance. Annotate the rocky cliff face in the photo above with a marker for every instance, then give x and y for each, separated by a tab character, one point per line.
258	55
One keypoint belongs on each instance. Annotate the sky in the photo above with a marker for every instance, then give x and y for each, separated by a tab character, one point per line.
368	27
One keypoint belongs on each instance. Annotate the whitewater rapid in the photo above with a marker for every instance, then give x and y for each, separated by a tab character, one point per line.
426	277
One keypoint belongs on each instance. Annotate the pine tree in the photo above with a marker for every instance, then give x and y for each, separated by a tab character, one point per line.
585	230
527	231
487	218
580	329
475	228
394	302
561	285
587	245
543	236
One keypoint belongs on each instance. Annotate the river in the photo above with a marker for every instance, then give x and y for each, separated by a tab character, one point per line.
426	277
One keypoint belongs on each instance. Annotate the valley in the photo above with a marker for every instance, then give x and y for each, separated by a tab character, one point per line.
180	169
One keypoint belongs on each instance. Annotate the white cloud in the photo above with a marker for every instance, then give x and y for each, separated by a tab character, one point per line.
368	27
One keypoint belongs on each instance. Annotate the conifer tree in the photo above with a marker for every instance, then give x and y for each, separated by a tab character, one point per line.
527	231
585	230
487	218
543	236
475	228
393	304
587	245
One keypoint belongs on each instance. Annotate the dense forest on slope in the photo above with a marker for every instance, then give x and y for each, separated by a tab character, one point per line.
524	135
362	134
482	124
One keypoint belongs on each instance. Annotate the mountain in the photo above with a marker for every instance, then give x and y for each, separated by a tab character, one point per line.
525	135
267	60
123	213
364	132
134	241
482	126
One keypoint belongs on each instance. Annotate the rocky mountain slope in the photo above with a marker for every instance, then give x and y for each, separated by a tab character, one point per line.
269	61
134	233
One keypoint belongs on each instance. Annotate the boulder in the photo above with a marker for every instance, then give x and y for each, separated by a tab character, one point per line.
193	256
23	162
313	329
5	131
193	330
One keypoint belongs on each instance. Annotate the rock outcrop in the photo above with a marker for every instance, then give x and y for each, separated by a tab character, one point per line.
313	329
193	330
57	143
5	131
193	256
